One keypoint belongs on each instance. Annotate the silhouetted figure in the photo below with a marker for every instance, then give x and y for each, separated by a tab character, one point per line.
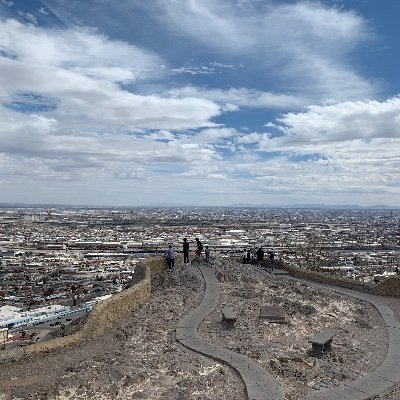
185	251
199	248
260	256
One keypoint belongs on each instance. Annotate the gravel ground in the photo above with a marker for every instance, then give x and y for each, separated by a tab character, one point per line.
140	359
283	349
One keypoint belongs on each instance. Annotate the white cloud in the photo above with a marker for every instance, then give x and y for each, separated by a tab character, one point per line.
340	147
43	11
341	123
8	3
79	67
88	129
191	71
212	23
250	138
205	69
214	135
28	17
81	50
161	135
35	146
241	97
304	45
93	127
97	103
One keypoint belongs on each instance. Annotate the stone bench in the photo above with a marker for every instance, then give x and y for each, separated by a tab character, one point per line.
229	317
273	314
322	341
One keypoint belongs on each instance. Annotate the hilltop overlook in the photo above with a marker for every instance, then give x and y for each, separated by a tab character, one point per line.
139	356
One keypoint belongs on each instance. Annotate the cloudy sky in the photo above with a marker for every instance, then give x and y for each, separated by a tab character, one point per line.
199	102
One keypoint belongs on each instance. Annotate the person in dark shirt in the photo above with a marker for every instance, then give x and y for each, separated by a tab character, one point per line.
248	256
199	249
271	260
260	256
185	251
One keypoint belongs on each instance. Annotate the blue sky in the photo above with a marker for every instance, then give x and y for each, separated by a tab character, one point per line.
198	102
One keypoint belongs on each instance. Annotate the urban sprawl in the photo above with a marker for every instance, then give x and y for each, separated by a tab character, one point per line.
56	263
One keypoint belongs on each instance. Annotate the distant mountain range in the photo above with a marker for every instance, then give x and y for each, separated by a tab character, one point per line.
321	206
239	205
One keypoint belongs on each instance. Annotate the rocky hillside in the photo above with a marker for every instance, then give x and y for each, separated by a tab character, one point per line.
139	358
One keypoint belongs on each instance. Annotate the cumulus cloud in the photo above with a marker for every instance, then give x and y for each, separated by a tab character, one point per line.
350	146
93	102
34	145
250	138
80	69
214	135
341	123
82	50
75	105
65	114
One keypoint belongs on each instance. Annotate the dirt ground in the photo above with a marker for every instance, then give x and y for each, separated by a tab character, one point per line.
140	359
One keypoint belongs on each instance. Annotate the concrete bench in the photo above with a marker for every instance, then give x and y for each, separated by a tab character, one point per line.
273	314
322	341
229	317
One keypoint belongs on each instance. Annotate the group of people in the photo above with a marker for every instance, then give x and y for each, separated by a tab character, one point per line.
170	253
249	257
257	257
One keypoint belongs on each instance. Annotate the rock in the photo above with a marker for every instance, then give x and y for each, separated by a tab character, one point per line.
139	395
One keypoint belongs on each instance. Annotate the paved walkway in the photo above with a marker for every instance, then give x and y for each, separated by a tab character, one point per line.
260	385
386	376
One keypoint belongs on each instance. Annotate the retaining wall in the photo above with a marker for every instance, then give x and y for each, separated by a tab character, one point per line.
389	287
103	315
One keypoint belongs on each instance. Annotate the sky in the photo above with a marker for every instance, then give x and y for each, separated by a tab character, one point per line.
199	102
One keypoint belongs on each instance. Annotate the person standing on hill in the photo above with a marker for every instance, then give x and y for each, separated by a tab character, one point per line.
260	256
248	257
271	260
207	254
170	256
244	257
199	249
185	251
253	256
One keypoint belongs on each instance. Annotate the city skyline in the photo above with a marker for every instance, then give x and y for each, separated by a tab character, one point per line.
199	103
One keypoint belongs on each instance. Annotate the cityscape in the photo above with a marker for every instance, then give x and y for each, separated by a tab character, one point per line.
199	200
56	263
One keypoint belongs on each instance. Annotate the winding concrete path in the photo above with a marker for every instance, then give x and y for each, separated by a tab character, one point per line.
260	385
383	379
